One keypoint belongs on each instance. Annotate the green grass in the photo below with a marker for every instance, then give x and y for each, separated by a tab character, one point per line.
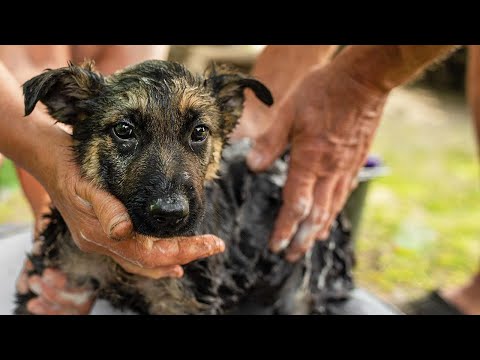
13	205
420	228
8	176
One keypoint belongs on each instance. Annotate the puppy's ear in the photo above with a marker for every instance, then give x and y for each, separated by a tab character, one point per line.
64	91
227	86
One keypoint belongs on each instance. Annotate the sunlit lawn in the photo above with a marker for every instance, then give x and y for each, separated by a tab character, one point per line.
13	206
420	228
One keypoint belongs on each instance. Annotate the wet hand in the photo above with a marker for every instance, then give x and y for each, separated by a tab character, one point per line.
329	119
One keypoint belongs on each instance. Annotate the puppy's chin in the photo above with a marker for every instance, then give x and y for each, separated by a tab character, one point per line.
152	229
146	225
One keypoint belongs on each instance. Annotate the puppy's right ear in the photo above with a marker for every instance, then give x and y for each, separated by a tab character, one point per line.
64	91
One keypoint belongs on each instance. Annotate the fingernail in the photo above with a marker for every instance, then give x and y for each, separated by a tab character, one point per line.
219	244
177	273
281	245
120	227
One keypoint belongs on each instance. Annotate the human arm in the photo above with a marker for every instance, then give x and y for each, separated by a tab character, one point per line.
330	118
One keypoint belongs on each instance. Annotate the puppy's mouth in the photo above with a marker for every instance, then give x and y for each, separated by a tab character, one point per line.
148	225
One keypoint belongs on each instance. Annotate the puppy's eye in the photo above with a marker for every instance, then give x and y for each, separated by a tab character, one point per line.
123	131
199	134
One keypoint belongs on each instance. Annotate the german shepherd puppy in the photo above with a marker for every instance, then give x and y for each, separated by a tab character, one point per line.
154	135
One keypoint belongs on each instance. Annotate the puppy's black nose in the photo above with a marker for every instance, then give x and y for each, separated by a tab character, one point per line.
170	210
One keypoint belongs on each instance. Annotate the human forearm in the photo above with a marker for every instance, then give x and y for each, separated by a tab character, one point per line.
28	142
386	66
278	66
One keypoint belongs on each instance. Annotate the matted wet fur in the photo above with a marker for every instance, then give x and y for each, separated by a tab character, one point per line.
153	135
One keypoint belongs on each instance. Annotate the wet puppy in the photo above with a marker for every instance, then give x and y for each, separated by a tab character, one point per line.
155	135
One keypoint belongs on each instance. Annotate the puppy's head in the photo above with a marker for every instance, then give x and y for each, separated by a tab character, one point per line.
151	134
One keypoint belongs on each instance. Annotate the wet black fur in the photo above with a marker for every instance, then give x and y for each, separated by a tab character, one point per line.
240	207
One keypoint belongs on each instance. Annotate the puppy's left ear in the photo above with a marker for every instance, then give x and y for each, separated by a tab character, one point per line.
66	92
227	86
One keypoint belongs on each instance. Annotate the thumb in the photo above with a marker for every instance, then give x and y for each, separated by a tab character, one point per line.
111	213
271	144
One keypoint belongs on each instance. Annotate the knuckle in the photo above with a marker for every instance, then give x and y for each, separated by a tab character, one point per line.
208	247
319	216
299	209
180	252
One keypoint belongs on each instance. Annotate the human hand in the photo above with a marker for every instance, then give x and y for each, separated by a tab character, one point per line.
54	296
99	223
278	67
330	119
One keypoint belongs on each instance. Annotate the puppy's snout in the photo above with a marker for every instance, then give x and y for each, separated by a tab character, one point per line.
170	210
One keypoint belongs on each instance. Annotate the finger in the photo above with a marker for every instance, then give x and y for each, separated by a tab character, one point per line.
131	262
316	220
340	196
73	298
175	271
39	306
55	278
22	281
325	232
148	252
268	147
297	203
57	290
111	213
354	183
302	242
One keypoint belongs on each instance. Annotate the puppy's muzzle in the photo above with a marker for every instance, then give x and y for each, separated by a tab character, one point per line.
170	211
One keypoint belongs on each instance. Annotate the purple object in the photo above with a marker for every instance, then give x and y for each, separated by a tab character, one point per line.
373	161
